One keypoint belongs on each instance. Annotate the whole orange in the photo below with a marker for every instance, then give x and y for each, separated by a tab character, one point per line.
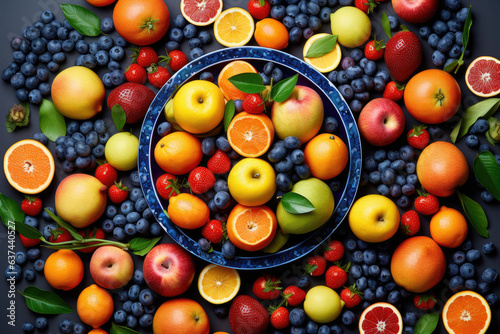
326	156
432	96
63	269
418	264
141	22
178	152
100	3
448	227
98	331
233	68
442	168
271	33
181	316
188	211
94	306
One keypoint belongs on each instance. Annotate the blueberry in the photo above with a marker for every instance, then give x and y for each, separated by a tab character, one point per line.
114	65
172	45
146	320
370	164
297	156
66	326
121	42
483	287
28	327
155	229
294	35
120	317
378	84
403	201
312	327
107	25
492	299
454	25
383	258
117	77
283	181
385	275
459	39
466	245
33	254
453	5
54	46
49	32
7	73
456	283
39	265
17	80
370	68
228	250
407	153
356	271
393	21
130	228
137	308
288	22
440	28
336	329
297	317
445	15
470	284
489	275
350	245
488	248
388	176
467	270
41	323
473	255
358	85
205	37
75	36
315	23
380	292
346	91
484	147
357	257
424	32
462	14
20	258
142	226
44	88
480	126
445	44
398	165
348	318
408	189
458	257
361	283
394	297
119	233
222	199
433	40
369	256
140	205
324	14
368	295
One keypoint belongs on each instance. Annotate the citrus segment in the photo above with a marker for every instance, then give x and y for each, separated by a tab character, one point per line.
218	284
250	135
228	89
201	12
234	27
466	312
327	62
28	166
483	76
381	318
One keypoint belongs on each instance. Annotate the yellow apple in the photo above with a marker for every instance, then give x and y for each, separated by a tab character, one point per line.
323	304
121	151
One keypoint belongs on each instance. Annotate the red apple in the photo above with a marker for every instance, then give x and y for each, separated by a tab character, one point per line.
415	11
168	269
111	267
381	122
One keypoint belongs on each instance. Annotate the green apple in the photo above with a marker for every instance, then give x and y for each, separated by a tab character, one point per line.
121	151
351	25
323	304
278	241
321	197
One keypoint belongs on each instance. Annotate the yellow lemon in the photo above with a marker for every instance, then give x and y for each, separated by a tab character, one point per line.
323	304
327	62
351	25
121	151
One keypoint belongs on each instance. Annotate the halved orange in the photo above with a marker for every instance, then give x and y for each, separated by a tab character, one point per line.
29	166
483	76
217	284
201	12
466	312
228	89
251	228
250	135
381	318
327	62
234	27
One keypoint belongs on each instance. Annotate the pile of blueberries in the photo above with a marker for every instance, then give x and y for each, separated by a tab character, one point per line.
22	258
82	146
358	77
444	34
182	30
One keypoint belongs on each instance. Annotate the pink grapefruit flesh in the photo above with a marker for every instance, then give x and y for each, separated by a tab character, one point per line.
483	76
201	12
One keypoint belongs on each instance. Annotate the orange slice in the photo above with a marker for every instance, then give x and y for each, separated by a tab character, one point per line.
483	76
381	318
201	12
327	62
251	228
29	166
234	27
250	135
466	312
228	89
217	284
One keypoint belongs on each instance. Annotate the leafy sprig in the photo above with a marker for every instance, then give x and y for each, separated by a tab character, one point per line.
455	65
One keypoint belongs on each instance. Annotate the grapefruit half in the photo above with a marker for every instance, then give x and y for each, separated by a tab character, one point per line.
381	318
201	12
483	76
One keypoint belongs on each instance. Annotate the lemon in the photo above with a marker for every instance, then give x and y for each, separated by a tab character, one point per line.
323	304
326	63
121	151
351	25
217	284
234	27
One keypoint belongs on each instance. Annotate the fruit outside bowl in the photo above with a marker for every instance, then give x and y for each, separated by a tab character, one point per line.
334	105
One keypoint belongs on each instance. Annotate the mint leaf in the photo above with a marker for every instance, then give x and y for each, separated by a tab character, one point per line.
322	46
250	83
296	204
82	19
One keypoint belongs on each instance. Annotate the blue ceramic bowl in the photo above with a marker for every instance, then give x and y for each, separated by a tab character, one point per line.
334	105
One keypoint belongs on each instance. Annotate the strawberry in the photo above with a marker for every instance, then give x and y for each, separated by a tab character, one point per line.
418	137
167	186
60	235
178	59
96	233
201	179
334	251
315	265
393	91
426	204
247	315
253	104
146	56
280	318
294	295
158	75
374	50
27	242
403	55
366	6
107	174
219	163
134	98
213	231
118	192
336	275
424	302
136	73
410	222
31	206
351	296
266	287
259	9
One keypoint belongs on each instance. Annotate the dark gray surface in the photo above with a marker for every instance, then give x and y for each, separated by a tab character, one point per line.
21	13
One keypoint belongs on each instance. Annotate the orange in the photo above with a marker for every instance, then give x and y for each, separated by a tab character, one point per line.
466	312
94	306
181	316
271	33
100	3
63	269
418	264
327	62
98	331
228	89
326	156
483	76
234	27
188	211
141	22
381	318
28	166
251	228
448	227
178	153
217	284
250	135
441	168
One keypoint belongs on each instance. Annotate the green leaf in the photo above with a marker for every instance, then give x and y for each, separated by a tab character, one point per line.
11	126
10	211
28	231
475	214
487	172
455	131
139	243
427	323
296	203
52	123
117	329
322	46
282	90
119	116
250	83
228	114
262	3
467	25
485	108
386	25
44	301
451	66
82	19
145	250
65	225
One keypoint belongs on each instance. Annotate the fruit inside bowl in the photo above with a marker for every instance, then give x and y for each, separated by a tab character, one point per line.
244	173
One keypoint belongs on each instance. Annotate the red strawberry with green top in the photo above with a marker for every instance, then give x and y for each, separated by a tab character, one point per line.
136	73
374	50
334	251
27	242
31	206
134	98
201	179
418	137
60	235
118	192
366	6
267	287
403	55
213	231
107	174
410	222
219	163
315	265
167	186
294	295
158	76
336	275
91	233
393	91
280	318
426	204
259	9
253	104
351	296
178	60
146	56
247	315
425	302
